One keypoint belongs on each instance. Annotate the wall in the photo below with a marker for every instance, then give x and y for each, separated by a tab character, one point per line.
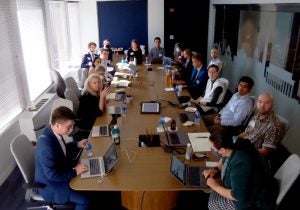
155	21
250	60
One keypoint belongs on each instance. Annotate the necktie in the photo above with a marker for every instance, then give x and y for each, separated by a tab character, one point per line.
63	144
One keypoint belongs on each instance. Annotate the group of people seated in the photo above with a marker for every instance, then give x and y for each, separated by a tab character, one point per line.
242	141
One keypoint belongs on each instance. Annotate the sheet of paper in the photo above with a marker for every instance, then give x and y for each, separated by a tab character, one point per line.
110	69
199	141
169	89
211	164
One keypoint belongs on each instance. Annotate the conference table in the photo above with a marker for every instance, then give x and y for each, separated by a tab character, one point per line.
142	174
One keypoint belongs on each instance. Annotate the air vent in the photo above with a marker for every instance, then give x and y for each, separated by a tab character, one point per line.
41	103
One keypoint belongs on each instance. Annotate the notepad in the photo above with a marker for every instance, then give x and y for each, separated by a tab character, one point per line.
200	141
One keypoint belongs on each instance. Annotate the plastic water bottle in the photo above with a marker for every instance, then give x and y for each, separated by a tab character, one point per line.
197	118
115	135
189	151
161	122
88	148
123	108
123	61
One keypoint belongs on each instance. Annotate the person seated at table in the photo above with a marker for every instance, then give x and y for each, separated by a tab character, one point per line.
197	82
214	54
96	62
107	77
238	108
178	53
244	182
214	92
107	46
92	101
157	52
264	129
135	52
187	66
90	56
54	167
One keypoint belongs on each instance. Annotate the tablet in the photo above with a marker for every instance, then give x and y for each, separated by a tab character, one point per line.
150	107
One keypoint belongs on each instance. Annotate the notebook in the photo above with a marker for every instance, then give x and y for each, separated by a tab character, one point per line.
100	166
176	138
100	130
190	176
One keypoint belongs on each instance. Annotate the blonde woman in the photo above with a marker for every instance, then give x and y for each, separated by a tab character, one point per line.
92	101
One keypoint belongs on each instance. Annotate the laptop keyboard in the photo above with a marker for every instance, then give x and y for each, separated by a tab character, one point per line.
183	117
94	166
196	178
103	130
174	138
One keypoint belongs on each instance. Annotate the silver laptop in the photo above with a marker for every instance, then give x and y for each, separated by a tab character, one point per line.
114	110
190	176
100	166
100	130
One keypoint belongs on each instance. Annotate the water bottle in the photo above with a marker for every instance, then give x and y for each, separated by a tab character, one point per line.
88	148
177	90
197	118
161	122
115	134
124	108
189	151
123	61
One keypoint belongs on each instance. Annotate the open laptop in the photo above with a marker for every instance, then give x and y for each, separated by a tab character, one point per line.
100	166
116	96
114	110
176	138
190	176
100	130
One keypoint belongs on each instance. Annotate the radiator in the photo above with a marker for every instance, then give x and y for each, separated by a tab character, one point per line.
33	122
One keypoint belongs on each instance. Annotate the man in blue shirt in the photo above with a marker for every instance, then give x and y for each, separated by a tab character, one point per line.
239	107
157	52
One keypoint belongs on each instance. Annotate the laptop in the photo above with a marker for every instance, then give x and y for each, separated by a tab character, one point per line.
190	176
176	138
184	117
100	130
114	110
100	166
116	96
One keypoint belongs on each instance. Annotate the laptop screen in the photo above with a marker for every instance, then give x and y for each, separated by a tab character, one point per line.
110	158
177	168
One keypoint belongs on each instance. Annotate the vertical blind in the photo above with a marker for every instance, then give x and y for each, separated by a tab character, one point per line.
10	94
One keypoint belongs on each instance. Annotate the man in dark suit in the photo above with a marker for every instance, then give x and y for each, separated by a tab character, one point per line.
197	82
88	58
186	67
53	161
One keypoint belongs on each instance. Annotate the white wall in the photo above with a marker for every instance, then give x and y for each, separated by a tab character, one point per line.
155	21
88	23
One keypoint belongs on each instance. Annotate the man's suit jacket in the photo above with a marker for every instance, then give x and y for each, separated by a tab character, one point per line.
87	60
197	83
52	168
186	70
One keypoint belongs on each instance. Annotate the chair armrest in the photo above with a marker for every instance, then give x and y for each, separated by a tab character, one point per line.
33	186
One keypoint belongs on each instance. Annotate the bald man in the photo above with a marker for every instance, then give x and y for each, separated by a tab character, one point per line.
264	129
214	54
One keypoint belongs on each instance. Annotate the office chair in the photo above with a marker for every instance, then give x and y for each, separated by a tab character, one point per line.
59	83
23	152
84	76
72	96
286	175
71	84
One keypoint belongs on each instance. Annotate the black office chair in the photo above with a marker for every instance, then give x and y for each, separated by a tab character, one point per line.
59	83
23	152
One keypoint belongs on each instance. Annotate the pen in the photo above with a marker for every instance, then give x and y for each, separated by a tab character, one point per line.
205	137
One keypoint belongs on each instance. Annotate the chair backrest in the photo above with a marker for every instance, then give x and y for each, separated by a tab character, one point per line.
250	115
84	76
286	175
284	122
23	152
59	83
60	102
225	82
70	95
71	84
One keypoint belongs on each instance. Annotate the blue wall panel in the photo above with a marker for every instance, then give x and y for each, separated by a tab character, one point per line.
121	21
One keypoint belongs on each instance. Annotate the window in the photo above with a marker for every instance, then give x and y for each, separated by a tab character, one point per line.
34	46
10	96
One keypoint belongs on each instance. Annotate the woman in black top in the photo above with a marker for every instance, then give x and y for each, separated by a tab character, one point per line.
135	52
92	101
